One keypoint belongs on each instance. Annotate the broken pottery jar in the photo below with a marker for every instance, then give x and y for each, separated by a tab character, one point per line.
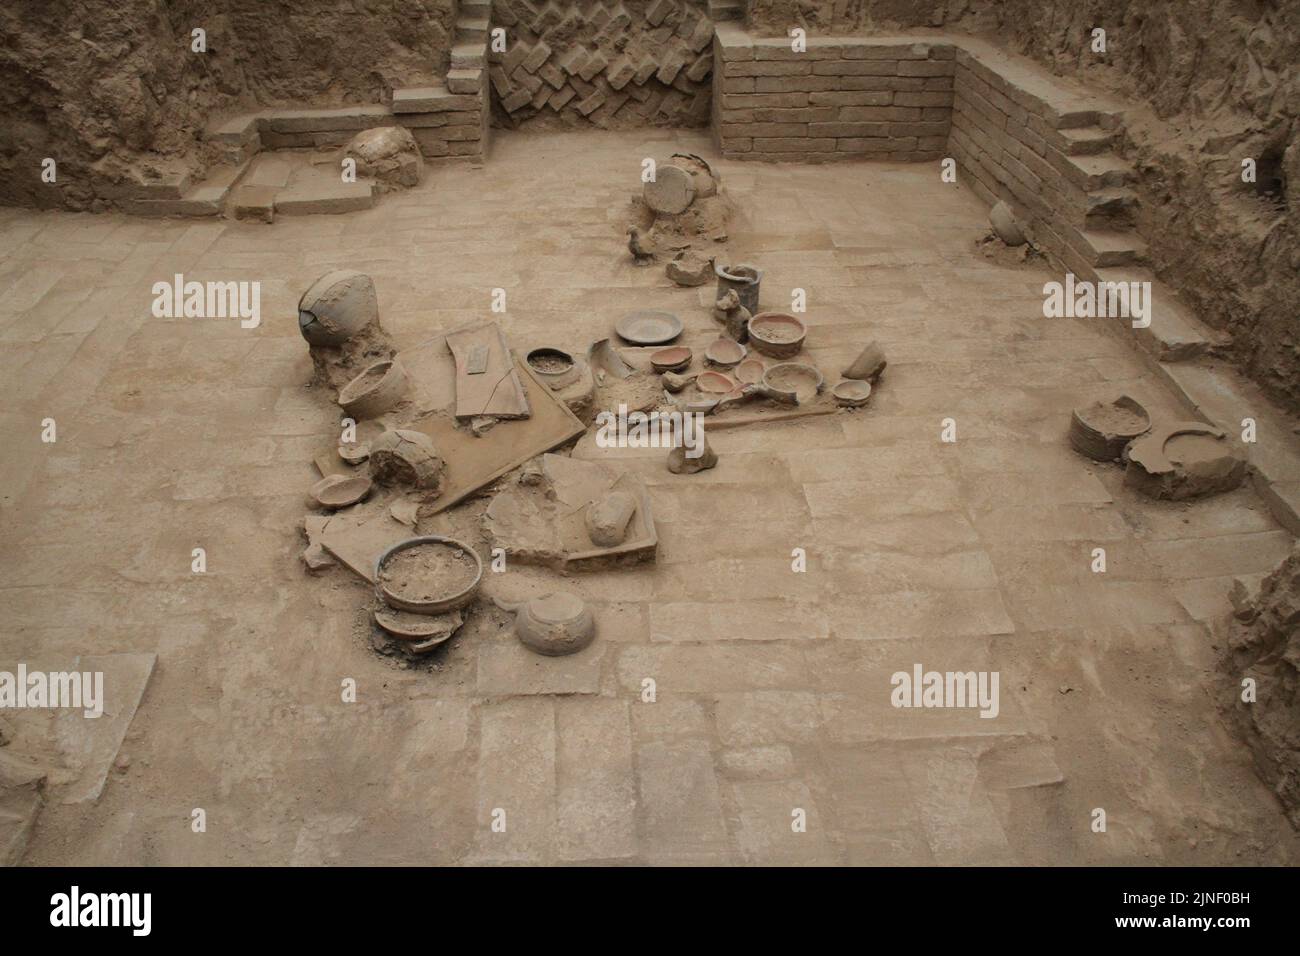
741	279
554	624
608	517
868	366
1102	430
689	268
1004	224
377	389
680	463
1183	460
336	307
429	574
401	456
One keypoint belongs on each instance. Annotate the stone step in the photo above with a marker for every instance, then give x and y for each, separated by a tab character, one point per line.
1084	140
323	194
1109	208
469	30
200	200
720	10
475	9
431	99
468	56
1175	333
1092	173
1107	248
464	82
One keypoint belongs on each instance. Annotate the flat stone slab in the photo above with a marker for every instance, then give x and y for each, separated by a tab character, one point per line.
431	99
317	196
253	202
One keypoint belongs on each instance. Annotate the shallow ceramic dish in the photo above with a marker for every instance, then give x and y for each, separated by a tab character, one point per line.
725	353
556	367
715	383
455	599
649	327
676	358
793	381
750	371
851	393
339	491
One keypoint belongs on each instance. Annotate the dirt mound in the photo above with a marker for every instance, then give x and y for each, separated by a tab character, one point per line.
1264	645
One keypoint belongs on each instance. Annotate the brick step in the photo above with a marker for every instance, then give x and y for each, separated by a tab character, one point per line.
475	9
471	30
464	82
1110	208
431	99
203	199
1107	248
468	56
720	10
1175	333
316	191
1083	140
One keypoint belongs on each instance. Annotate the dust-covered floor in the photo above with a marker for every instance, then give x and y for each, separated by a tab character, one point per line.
773	687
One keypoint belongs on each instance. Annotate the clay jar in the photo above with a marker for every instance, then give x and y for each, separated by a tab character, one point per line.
336	307
554	624
744	280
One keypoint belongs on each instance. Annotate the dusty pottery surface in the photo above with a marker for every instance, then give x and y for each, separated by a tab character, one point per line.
776	334
608	517
671	191
389	155
715	383
743	279
1184	460
674	359
339	491
376	390
554	624
337	306
406	457
851	393
798	381
750	371
429	574
679	463
556	367
421	628
1102	430
1004	224
690	269
649	327
354	453
869	364
725	353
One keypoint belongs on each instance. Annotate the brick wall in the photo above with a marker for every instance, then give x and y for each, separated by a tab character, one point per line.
843	97
607	63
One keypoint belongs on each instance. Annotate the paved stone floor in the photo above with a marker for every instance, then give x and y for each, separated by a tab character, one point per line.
772	687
